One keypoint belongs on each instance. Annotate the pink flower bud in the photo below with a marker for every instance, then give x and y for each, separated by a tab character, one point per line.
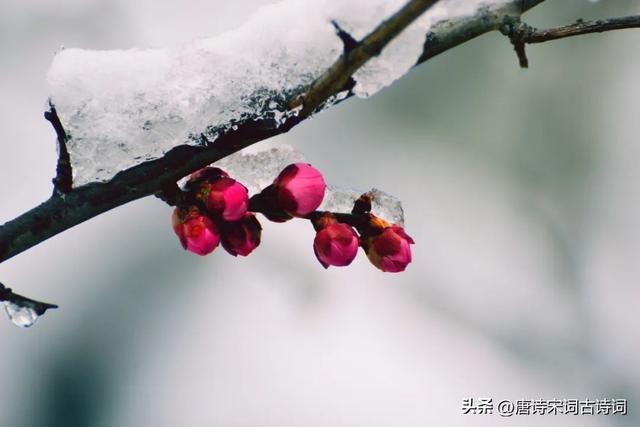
299	189
336	244
389	251
197	233
228	198
243	236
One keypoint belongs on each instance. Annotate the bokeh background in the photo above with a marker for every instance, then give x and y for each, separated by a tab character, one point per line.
520	187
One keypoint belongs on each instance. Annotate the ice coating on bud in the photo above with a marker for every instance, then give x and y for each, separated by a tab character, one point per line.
336	244
389	251
197	233
300	189
243	236
227	198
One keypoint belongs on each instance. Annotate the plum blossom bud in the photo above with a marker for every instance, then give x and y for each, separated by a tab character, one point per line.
243	236
222	196
389	250
197	233
299	189
336	244
228	198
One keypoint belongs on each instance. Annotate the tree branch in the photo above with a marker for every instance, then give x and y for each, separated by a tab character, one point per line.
582	27
80	204
337	77
39	308
449	34
522	34
64	177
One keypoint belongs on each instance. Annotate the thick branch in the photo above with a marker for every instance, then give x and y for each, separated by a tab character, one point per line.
58	214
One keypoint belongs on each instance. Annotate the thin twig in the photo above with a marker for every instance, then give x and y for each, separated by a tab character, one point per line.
63	180
348	42
6	294
581	28
522	34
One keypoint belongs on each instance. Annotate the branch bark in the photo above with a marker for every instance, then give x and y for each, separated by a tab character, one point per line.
522	34
80	204
582	27
64	178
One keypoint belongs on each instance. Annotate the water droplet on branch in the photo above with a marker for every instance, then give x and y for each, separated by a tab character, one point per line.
22	316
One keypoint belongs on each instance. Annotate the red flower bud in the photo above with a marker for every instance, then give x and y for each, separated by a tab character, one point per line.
243	236
197	233
336	244
299	189
221	195
389	250
227	198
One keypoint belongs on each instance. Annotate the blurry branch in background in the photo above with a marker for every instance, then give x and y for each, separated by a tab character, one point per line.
71	206
521	34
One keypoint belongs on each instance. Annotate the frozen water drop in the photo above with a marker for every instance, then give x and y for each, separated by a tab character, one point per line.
383	205
386	206
22	316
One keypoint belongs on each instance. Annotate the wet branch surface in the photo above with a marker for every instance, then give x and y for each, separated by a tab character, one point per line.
71	206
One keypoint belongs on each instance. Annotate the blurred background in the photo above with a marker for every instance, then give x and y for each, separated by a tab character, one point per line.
520	187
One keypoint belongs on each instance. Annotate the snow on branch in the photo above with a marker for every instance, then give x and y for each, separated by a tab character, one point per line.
256	113
124	107
130	124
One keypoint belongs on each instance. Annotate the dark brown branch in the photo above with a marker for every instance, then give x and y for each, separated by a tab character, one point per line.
80	204
58	214
64	177
522	34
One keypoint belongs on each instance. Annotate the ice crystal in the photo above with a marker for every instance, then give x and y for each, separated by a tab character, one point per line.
257	169
23	316
383	205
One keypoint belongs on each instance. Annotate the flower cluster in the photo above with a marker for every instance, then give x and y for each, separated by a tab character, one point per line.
214	208
217	211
